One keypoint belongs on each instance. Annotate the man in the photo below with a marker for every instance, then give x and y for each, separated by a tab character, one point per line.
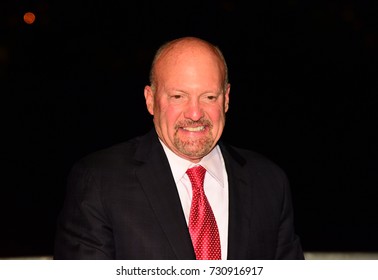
135	200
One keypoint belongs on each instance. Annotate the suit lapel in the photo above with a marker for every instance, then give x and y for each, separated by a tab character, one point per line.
162	193
239	199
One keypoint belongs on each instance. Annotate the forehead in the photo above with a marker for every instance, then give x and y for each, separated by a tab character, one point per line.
188	47
189	55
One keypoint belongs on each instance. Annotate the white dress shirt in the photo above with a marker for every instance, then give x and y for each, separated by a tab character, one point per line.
215	186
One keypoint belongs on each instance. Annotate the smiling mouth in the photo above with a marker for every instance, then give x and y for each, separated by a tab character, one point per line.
194	129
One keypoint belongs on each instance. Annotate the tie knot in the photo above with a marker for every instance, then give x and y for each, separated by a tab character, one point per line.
196	175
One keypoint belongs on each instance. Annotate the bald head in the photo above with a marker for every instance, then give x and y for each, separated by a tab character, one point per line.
188	49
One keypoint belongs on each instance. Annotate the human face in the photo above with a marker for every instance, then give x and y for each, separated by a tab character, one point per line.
189	103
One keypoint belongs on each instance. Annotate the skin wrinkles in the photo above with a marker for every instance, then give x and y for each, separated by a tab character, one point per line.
188	96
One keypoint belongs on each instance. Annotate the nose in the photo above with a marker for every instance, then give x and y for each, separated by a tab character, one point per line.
193	110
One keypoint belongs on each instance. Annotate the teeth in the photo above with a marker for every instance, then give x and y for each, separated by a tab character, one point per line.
198	128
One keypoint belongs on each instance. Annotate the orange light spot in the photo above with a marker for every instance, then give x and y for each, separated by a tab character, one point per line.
29	18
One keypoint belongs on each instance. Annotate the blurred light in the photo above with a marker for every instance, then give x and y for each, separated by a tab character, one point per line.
29	18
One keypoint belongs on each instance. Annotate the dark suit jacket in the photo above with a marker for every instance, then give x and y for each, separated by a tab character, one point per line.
122	203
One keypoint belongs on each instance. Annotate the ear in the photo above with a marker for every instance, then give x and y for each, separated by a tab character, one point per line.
227	98
149	96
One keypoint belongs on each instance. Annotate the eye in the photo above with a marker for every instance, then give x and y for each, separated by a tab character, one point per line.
211	98
176	96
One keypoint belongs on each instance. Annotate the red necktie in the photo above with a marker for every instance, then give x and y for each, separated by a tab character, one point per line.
202	224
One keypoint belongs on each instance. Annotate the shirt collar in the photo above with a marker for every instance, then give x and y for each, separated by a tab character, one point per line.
213	162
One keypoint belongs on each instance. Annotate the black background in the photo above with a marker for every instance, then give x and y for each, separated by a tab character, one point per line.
303	92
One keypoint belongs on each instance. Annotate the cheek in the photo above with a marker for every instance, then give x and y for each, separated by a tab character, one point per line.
160	109
171	111
217	114
168	115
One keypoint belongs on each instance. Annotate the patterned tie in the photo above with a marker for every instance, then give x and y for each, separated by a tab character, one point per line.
202	224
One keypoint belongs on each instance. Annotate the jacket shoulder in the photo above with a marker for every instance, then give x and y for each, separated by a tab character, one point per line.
252	161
